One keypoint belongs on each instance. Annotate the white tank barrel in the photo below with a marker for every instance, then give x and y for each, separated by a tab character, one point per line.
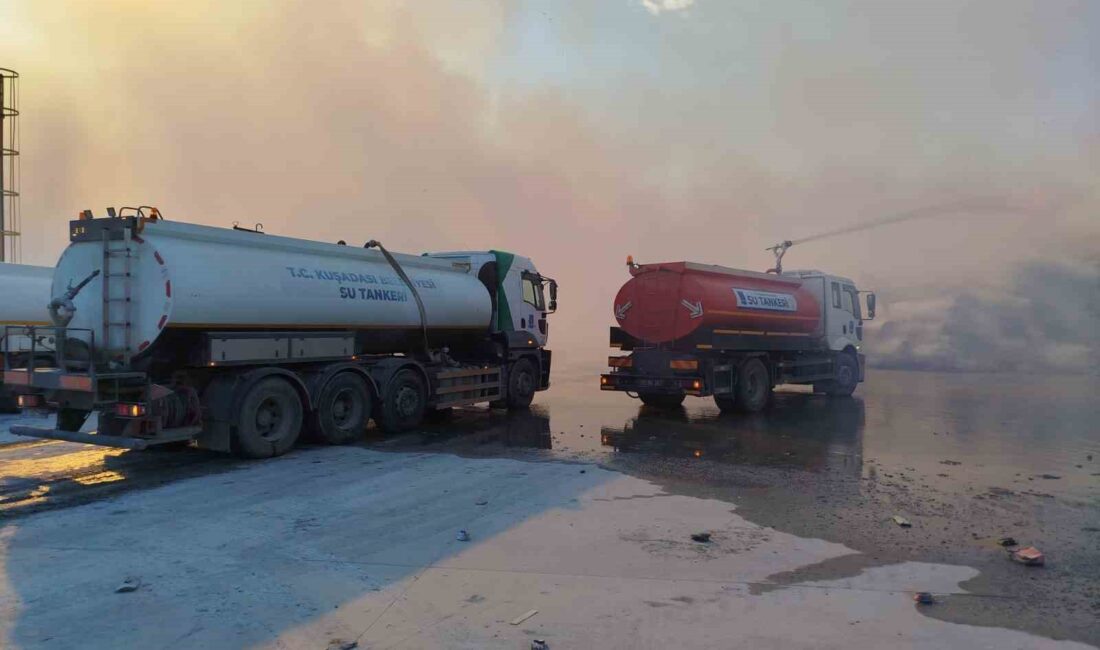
25	294
200	277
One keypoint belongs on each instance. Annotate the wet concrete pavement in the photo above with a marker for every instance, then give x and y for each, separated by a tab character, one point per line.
968	459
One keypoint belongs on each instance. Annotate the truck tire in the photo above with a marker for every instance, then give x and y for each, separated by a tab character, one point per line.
754	386
662	400
847	377
404	403
521	385
268	419
343	410
726	403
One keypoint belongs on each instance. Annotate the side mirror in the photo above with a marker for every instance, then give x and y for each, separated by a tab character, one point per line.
553	296
870	306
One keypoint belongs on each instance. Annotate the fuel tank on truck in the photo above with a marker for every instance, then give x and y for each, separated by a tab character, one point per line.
670	301
187	277
24	294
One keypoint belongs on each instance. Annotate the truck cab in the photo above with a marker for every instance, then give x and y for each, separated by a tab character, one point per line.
518	290
842	313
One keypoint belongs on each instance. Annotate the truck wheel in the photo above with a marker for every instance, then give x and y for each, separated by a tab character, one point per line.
754	387
726	403
847	377
343	410
662	401
71	419
521	385
268	419
404	403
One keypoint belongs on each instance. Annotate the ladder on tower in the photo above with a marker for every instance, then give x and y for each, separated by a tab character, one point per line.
118	256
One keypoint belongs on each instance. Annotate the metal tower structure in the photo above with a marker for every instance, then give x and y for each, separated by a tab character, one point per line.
10	250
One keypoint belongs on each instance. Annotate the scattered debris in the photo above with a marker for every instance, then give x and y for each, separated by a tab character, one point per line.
1029	556
128	585
340	644
539	644
901	521
582	471
1007	541
924	598
702	538
463	536
519	619
1089	457
1050	477
483	502
950	462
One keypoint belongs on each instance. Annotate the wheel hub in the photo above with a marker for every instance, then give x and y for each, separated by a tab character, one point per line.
342	408
268	417
407	401
844	375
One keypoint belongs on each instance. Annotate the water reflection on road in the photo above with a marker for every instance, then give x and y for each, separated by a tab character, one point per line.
961	433
955	431
805	431
800	430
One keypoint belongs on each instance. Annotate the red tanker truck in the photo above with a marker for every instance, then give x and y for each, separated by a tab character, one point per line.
704	330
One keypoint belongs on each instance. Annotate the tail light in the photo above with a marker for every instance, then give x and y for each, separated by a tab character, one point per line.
130	410
28	401
692	385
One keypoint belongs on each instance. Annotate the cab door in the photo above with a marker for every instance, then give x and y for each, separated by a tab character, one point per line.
845	327
520	300
532	308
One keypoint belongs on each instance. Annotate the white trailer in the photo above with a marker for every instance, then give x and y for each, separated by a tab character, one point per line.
237	339
24	294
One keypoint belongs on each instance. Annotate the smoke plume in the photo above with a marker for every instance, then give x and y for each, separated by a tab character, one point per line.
1046	322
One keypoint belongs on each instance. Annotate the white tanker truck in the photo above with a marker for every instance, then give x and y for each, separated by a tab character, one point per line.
238	340
24	294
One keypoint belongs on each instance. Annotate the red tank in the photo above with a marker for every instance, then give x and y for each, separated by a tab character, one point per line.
672	300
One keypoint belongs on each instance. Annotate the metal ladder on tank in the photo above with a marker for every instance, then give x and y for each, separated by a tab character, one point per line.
117	303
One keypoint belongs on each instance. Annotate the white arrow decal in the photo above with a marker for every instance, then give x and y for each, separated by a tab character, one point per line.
620	310
694	308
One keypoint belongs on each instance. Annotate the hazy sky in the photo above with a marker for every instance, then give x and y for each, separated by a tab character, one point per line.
579	131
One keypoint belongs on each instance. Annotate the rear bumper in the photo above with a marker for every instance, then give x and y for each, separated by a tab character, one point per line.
79	436
165	436
664	385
